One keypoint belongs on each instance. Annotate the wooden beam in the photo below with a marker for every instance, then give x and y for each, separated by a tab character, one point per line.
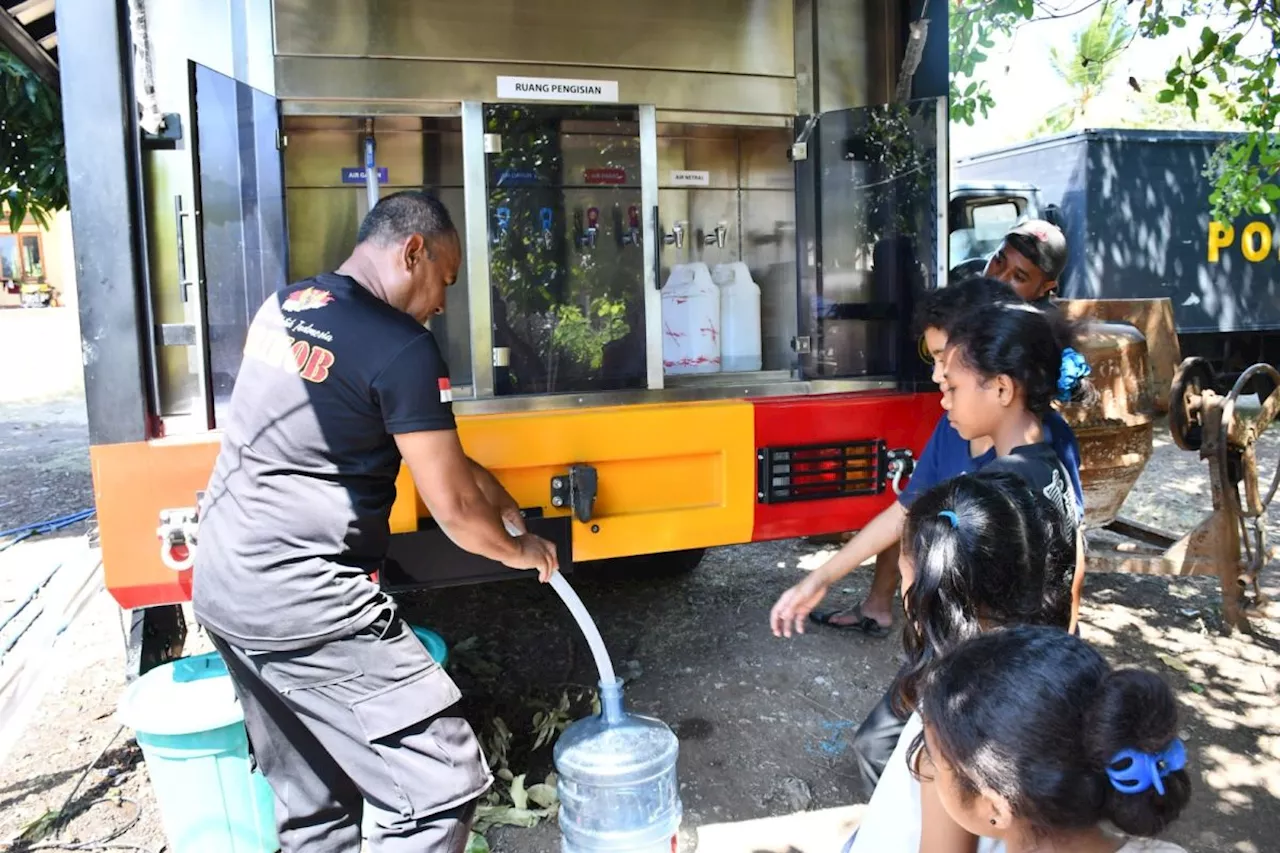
19	41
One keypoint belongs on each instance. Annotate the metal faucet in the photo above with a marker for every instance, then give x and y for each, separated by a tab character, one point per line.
718	236
676	237
630	236
587	235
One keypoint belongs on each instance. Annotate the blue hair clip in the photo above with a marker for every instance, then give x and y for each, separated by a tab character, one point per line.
1070	372
950	516
1146	770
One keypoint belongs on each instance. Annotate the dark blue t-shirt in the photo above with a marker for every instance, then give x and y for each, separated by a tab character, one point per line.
946	455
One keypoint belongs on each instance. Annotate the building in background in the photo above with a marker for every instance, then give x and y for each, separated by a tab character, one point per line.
36	263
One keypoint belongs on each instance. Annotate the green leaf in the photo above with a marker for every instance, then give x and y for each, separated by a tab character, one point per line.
519	798
544	795
1193	101
477	843
1165	96
1208	38
1178	21
40	827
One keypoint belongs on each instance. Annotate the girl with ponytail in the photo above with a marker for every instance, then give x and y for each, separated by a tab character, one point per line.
1031	738
1005	366
983	551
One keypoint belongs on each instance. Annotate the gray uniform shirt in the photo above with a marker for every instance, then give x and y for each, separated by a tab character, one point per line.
296	514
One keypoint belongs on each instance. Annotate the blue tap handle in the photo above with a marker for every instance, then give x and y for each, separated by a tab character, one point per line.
547	217
504	217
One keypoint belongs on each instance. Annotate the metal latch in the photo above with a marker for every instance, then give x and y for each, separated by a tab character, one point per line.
898	464
577	489
177	532
802	345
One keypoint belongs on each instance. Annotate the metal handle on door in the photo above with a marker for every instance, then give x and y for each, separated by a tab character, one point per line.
179	216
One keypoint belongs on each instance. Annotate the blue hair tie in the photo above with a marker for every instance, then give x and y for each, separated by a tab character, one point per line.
1070	372
1146	770
950	516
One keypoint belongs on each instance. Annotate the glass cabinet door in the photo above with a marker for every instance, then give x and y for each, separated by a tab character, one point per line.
566	259
868	199
242	242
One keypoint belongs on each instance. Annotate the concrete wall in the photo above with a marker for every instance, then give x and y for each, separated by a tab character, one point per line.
40	354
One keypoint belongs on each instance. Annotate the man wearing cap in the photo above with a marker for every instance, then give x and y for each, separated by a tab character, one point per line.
1031	260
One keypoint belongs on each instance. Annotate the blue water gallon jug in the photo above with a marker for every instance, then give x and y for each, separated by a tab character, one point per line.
617	782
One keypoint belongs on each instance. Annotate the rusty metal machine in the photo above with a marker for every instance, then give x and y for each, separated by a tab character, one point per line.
1231	542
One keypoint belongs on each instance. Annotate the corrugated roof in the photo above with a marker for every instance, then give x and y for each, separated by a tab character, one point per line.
28	29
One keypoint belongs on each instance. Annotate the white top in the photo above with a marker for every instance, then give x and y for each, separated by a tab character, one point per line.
891	821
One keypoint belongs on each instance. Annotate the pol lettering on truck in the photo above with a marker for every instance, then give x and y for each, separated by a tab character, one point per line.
1257	240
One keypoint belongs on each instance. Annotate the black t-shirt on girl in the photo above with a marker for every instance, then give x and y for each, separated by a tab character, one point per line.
1040	466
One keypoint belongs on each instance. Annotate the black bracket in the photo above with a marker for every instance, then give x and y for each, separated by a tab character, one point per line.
168	137
577	489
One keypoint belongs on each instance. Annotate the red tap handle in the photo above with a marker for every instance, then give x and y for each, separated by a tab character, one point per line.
593	217
633	216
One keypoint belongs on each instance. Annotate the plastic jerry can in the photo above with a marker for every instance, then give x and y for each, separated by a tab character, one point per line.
740	337
690	321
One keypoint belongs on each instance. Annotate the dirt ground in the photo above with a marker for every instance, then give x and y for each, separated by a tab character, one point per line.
764	724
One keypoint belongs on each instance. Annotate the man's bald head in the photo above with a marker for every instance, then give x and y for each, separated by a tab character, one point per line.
399	216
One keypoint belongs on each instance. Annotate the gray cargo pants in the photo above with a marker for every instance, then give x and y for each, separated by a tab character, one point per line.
361	722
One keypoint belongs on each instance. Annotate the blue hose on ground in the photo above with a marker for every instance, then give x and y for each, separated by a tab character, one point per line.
48	527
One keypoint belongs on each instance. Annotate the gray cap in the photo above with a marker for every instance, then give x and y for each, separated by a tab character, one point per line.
1042	243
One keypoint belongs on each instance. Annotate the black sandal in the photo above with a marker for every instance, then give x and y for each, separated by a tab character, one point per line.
865	624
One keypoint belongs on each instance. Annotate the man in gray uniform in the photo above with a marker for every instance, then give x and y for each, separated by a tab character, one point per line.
343	705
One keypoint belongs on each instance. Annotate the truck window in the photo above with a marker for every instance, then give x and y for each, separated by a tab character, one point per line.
986	226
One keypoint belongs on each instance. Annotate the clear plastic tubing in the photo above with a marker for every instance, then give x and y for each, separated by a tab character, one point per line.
610	686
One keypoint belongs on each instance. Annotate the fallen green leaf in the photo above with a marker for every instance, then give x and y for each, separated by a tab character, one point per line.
1198	688
477	843
1173	663
40	827
487	816
543	795
519	798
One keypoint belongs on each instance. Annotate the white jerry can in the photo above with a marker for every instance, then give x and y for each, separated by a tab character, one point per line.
740	339
690	321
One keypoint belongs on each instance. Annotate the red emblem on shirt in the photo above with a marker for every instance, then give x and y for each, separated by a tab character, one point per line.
446	391
306	299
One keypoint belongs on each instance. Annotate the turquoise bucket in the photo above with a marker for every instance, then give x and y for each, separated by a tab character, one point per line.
434	642
190	728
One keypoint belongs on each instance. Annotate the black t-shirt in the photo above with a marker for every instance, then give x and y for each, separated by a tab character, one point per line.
296	513
1041	467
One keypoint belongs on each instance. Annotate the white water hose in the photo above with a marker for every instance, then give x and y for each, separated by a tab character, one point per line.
588	627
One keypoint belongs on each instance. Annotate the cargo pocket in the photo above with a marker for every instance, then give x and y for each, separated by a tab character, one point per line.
307	669
431	754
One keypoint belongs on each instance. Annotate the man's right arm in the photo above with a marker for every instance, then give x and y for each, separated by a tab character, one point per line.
445	478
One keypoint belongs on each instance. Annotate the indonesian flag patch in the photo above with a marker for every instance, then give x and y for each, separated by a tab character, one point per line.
446	391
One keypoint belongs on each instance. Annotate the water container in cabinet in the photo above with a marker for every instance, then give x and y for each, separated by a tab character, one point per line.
740	337
690	321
